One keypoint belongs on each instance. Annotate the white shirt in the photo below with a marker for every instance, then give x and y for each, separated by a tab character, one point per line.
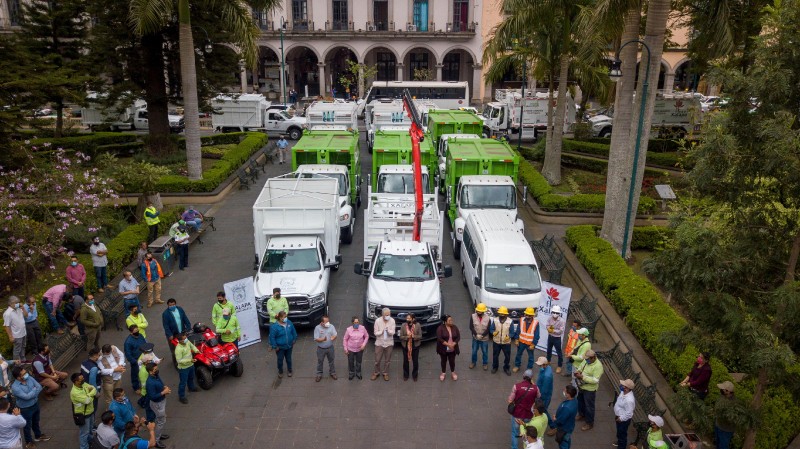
14	319
535	445
108	362
624	406
98	261
107	436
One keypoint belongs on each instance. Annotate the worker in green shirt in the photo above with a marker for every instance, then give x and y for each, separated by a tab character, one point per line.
655	438
146	357
184	355
228	328
276	304
221	305
583	345
587	375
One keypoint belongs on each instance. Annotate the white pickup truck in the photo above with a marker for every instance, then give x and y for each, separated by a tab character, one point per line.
129	118
252	112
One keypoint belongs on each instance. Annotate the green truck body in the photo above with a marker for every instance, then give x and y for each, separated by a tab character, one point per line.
394	147
446	121
477	157
330	147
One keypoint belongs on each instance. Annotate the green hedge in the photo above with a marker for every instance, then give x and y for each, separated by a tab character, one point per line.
218	139
221	169
664	159
85	143
653	145
542	192
581	162
120	149
649	317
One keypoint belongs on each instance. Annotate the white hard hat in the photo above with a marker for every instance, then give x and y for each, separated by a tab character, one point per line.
556	309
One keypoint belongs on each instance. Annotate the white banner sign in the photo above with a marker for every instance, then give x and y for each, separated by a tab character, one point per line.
554	295
243	295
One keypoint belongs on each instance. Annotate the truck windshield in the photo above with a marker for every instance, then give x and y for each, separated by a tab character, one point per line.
512	279
481	196
488	112
339	176
400	183
413	268
283	260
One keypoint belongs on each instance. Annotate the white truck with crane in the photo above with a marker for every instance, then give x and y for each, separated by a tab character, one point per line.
502	116
132	117
674	115
252	112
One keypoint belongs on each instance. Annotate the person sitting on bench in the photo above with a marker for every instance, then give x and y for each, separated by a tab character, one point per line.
192	218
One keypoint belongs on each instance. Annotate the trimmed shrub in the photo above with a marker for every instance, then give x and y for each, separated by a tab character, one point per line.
650	237
219	139
85	143
654	145
665	159
119	149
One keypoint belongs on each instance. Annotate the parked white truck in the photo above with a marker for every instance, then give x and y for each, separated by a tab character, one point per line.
118	118
347	215
403	275
385	113
502	116
336	115
252	112
674	115
296	234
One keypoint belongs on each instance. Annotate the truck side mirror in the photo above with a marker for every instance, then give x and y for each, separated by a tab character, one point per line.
448	271
255	263
358	268
525	194
477	281
338	259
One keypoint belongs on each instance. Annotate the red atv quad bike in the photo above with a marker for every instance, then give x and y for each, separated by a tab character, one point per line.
215	356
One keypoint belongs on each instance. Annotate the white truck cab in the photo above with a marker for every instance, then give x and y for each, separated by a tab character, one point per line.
141	122
399	179
280	122
482	192
497	264
347	216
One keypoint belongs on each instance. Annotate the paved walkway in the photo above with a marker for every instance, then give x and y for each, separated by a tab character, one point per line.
259	410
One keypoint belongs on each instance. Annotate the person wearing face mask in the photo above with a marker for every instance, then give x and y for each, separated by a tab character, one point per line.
91	371
99	254
528	336
76	277
174	321
578	353
587	376
384	330
479	326
132	346
724	428
122	409
112	366
228	328
184	355
623	411
355	340
276	303
26	391
564	422
157	395
411	339
325	335
82	396
572	342
219	307
151	217
92	319
106	437
282	336
504	332
137	318
545	380
699	377
11	422
52	301
33	333
129	289
555	330
182	247
655	436
447	338
152	274
14	322
47	376
147	357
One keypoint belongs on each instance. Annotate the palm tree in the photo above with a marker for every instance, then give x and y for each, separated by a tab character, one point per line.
151	16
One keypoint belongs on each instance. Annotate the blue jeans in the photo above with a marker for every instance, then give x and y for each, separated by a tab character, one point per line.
79	291
515	432
182	252
722	438
186	375
101	273
85	432
483	346
566	442
194	223
284	353
622	433
554	342
55	321
521	349
31	415
569	364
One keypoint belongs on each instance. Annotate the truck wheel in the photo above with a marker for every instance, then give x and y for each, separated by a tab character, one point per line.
295	133
238	368
457	249
347	236
605	133
204	377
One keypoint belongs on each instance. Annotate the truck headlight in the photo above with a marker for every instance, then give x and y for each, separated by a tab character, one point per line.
597	126
371	308
316	300
261	302
436	312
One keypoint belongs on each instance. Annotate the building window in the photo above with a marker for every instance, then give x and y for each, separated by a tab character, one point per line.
452	66
340	17
14	12
380	13
385	64
421	15
418	61
300	14
460	15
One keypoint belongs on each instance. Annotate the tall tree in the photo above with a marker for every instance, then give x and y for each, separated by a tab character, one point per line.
53	34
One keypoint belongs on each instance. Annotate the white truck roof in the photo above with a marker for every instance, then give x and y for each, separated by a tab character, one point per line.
508	244
400	168
293	242
486	179
399	248
321	168
324	114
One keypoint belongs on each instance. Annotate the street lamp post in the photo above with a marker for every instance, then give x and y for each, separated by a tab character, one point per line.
283	63
615	73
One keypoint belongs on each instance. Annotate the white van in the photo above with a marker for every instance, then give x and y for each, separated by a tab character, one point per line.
497	263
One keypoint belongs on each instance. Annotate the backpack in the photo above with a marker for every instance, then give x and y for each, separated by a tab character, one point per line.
95	443
125	444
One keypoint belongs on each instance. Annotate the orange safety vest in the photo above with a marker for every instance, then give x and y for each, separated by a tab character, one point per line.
526	335
572	340
158	266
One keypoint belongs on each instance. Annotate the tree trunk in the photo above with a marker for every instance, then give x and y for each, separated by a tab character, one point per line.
791	269
191	112
755	404
549	132
141	204
619	157
159	143
551	169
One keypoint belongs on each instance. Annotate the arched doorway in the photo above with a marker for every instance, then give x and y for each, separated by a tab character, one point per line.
662	71
303	70
337	64
420	65
385	61
267	80
687	77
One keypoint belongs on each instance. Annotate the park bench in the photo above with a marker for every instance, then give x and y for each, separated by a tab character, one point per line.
244	181
64	348
617	366
585	310
550	257
111	305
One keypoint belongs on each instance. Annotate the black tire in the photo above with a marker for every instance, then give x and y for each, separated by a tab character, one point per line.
295	133
457	249
464	277
347	235
238	368
204	377
605	133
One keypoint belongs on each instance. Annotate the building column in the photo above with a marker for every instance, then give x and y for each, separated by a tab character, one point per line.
400	67
243	78
669	82
321	66
439	72
477	82
360	80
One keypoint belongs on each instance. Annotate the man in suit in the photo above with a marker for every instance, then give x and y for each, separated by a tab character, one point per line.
175	322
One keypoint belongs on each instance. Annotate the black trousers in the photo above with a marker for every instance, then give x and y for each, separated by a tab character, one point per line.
496	348
153	233
448	357
414	361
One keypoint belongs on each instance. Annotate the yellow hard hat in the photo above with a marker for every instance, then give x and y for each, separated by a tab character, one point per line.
530	311
481	307
503	310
